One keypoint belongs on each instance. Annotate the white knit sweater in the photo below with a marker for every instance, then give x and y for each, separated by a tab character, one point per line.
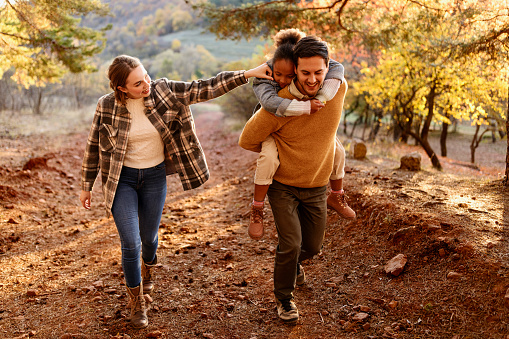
145	148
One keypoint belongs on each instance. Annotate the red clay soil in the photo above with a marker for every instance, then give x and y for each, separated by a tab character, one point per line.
61	276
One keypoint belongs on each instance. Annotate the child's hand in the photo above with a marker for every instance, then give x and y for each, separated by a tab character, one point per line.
315	105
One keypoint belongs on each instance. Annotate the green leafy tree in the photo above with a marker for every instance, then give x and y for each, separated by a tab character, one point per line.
43	39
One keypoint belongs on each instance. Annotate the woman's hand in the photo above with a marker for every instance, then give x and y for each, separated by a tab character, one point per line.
263	71
85	198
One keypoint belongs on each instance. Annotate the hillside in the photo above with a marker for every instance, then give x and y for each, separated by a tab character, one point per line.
148	28
61	276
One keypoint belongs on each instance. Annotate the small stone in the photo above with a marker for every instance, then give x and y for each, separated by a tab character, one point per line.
393	304
98	284
349	326
434	227
364	308
366	326
396	265
31	293
454	275
208	335
357	149
154	334
411	162
337	280
361	316
441	253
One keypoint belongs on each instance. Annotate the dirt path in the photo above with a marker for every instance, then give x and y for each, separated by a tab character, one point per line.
61	275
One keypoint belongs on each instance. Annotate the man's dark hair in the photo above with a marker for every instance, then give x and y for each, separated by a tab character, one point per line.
310	46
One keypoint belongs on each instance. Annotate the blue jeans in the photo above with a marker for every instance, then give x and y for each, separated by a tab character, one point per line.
137	210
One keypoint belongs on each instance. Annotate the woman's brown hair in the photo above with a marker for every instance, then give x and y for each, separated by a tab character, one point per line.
118	72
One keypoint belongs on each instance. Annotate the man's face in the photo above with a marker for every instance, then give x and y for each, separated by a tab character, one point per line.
310	73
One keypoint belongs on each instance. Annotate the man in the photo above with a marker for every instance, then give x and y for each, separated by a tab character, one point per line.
306	150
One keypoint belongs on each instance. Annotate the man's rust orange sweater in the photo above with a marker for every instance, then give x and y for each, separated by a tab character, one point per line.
305	143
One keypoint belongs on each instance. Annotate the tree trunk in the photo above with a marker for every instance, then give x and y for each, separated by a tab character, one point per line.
443	137
365	126
473	145
425	129
356	122
35	94
506	181
417	128
396	130
407	128
476	141
375	128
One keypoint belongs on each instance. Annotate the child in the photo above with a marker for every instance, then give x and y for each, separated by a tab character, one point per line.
266	92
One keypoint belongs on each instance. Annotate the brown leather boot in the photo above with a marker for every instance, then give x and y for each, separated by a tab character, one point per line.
255	228
338	203
139	317
146	275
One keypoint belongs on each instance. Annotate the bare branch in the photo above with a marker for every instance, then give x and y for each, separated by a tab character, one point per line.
290	10
14	36
339	12
426	6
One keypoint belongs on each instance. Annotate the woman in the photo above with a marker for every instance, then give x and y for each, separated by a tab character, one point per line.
141	132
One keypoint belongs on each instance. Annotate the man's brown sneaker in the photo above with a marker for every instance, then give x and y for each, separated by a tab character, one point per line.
337	202
255	229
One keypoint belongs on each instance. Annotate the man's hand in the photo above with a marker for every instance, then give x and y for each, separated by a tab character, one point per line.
315	105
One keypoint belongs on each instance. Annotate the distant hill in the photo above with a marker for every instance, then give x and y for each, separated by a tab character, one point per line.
221	49
146	28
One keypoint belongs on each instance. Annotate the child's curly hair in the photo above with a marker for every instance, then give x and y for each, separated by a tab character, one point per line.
288	36
284	41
